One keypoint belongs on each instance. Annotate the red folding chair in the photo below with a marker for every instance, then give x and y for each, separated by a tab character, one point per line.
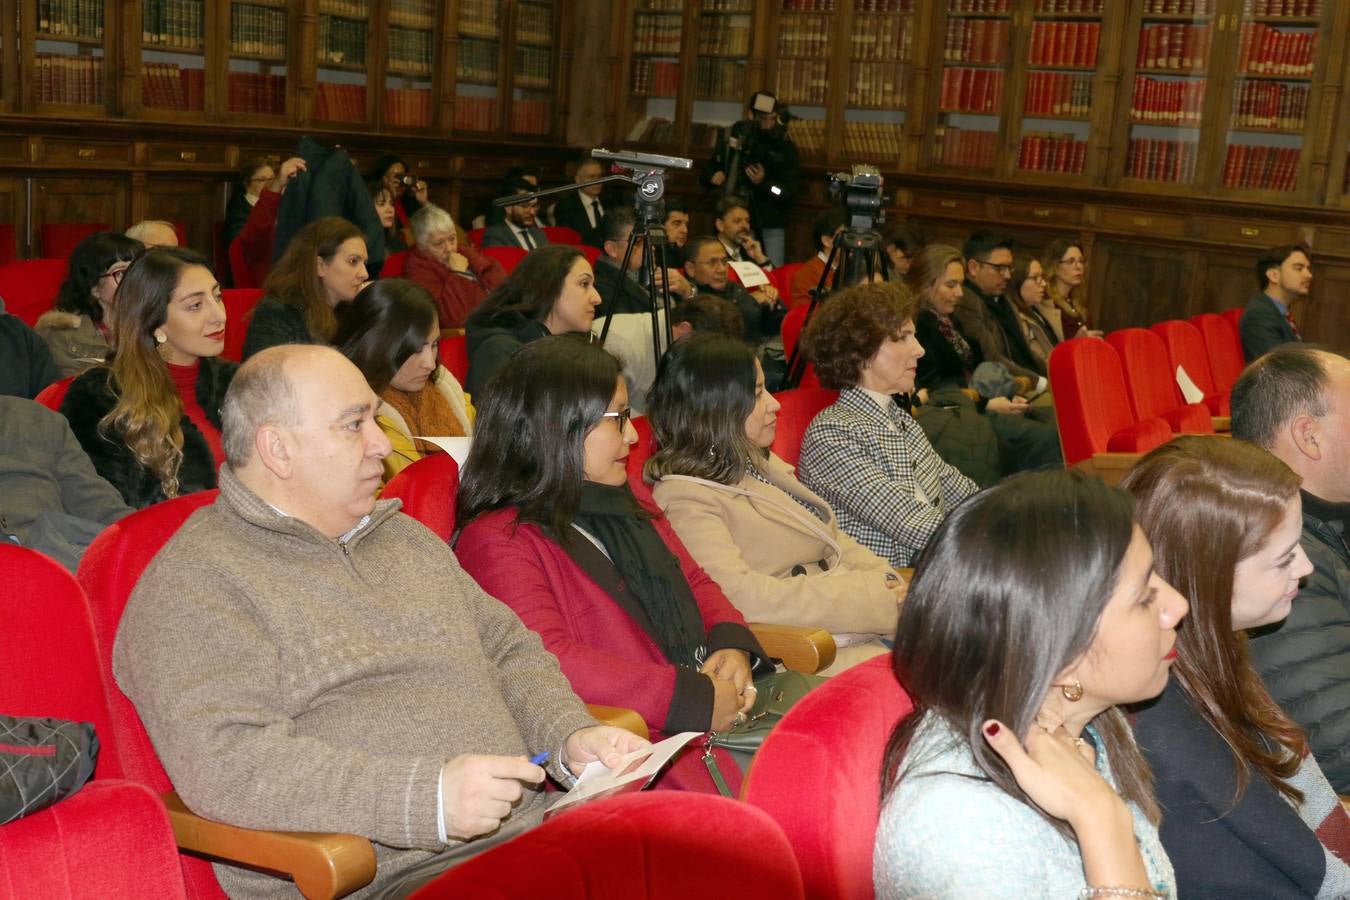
476	236
509	257
591	253
1149	385
393	265
239	268
455	356
1186	348
1224	348
239	302
561	234
58	239
799	407
427	489
53	394
29	286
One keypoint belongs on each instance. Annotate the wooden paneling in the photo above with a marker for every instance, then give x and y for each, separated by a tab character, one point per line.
63	199
196	202
1228	279
1326	317
1137	284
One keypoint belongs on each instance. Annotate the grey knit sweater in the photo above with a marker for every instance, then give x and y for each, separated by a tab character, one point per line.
291	682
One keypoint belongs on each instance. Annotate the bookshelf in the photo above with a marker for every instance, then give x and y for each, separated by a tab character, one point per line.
974	41
256	61
533	68
801	72
173	57
478	62
647	109
67	48
724	44
881	43
9	70
341	78
1060	86
410	63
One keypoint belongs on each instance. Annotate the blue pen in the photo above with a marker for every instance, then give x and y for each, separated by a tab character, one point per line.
540	758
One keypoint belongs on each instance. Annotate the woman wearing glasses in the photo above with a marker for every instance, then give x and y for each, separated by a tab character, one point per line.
1026	289
1064	305
256	174
550	526
76	331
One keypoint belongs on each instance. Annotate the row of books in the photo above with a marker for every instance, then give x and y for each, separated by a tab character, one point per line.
979	6
1178	7
69	79
359	8
251	92
1310	8
657	34
340	102
535	23
880	6
888	38
1065	43
168	86
1261	168
976	41
729	6
1154	159
258	31
705	134
808	135
1068	6
972	90
530	117
476	113
407	107
413	14
804	36
411	52
1045	152
480	18
1170	46
720	79
656	77
663	5
653	130
476	60
1263	50
872	140
534	67
807	6
722	36
1168	102
872	85
803	81
342	41
173	23
1058	94
964	148
74	18
1270	104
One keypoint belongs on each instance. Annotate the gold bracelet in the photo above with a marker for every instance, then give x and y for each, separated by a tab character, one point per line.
1089	893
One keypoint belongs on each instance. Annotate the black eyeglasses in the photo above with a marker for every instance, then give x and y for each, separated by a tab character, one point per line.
623	417
1000	268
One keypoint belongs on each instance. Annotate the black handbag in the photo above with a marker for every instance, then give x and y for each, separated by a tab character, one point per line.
774	695
42	761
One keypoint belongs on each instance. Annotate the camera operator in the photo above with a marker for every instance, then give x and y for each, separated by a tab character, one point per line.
755	159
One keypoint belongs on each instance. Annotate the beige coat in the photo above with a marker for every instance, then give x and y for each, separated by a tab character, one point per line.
751	536
404	452
74	340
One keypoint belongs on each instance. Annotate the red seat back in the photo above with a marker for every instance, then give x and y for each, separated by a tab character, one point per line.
591	253
29	286
239	268
662	845
793	323
818	775
58	239
393	265
561	234
509	257
455	356
476	236
427	489
52	395
7	252
1151	389
239	302
1186	348
1092	407
1234	317
799	407
781	279
639	453
1224	348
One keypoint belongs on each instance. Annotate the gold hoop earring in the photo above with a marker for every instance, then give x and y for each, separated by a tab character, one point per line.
1072	692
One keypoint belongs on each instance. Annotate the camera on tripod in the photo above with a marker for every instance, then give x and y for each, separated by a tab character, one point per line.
860	194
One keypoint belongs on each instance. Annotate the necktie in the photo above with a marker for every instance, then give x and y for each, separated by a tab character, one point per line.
599	213
1289	317
529	239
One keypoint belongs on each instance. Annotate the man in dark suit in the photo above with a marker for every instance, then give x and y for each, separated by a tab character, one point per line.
1285	275
621	292
519	229
985	314
582	210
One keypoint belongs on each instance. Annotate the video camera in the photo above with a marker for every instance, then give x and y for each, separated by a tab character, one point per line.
860	194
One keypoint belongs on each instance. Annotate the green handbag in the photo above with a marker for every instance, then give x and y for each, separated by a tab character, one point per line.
774	695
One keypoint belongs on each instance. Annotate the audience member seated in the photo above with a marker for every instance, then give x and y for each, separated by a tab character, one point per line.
706	266
864	455
1065	268
496	215
1295	402
987	315
324	265
457	276
520	228
386	208
258	236
552	291
772	545
154	233
149	418
677	223
409	191
824	229
391	334
1285	276
948	367
52	499
254	176
76	330
902	242
1026	290
1016	775
1248	811
581	210
26	365
732	224
550	527
619	289
336	670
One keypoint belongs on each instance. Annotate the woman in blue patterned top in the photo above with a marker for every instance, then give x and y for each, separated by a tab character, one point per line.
1016	775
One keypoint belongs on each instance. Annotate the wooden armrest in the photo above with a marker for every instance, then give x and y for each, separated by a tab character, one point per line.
1222	423
1109	467
801	649
1345	801
321	865
620	717
452	332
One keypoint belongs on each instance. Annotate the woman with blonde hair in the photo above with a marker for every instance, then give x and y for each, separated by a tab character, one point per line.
149	418
1065	305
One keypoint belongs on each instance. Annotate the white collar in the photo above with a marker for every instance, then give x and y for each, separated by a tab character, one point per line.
880	399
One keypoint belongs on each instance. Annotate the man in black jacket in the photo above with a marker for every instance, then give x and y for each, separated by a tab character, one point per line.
706	265
26	365
621	292
1285	275
581	210
985	314
1295	402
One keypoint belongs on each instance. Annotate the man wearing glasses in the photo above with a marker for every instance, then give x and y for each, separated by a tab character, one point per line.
987	315
520	228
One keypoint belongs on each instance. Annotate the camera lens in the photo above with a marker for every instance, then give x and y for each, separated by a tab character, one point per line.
408	180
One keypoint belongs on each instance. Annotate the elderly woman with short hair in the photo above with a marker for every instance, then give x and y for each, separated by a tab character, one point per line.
456	275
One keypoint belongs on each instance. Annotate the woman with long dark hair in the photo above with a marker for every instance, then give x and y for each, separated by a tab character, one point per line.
1016	775
767	540
76	330
1248	810
550	526
391	333
150	417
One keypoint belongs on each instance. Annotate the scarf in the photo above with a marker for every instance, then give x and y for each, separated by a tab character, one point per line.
947	329
425	412
651	573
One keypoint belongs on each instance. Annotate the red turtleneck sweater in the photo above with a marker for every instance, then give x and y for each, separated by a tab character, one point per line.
185	379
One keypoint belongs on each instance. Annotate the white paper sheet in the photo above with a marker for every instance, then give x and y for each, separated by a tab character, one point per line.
634	773
751	275
457	447
1188	389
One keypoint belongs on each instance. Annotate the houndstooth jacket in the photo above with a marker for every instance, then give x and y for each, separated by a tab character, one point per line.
876	469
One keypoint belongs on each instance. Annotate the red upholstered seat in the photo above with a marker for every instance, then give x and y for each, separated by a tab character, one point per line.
1092	406
239	302
58	239
1224	348
29	286
800	406
561	234
509	257
52	395
793	323
639	453
1186	348
6	243
393	264
455	356
648	846
591	253
1234	317
1149	384
781	279
476	237
818	776
427	489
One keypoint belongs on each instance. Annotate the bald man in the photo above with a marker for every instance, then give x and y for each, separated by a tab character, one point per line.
154	233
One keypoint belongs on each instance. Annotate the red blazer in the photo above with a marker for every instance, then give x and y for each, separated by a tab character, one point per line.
255	240
456	295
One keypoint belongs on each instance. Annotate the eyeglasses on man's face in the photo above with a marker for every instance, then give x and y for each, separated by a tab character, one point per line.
1004	269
